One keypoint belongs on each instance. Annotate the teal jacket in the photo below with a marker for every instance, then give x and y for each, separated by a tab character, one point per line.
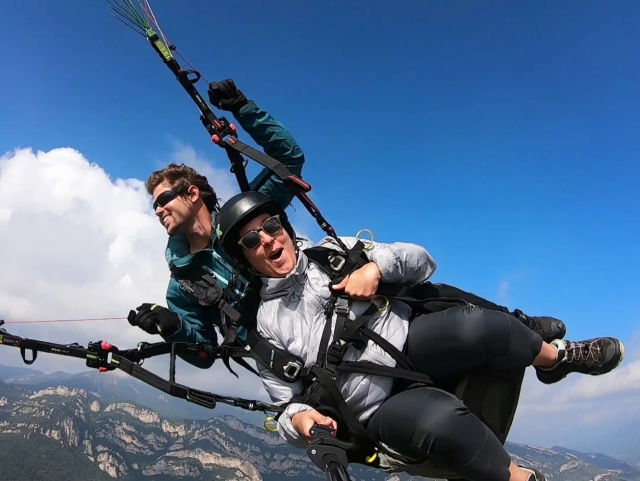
198	324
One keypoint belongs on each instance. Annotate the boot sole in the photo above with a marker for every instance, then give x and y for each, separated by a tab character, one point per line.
621	349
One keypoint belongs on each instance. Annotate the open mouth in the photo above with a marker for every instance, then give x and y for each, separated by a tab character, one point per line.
275	255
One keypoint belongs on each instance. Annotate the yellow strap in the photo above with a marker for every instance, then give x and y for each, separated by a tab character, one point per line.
157	325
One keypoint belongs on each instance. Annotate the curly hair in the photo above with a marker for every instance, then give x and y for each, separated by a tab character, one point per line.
183	176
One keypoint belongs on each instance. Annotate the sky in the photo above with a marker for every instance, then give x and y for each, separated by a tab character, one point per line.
502	139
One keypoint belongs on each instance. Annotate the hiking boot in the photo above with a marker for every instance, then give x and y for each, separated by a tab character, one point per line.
535	475
593	356
549	328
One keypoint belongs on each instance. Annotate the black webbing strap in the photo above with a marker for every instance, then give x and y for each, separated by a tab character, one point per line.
105	357
211	295
326	357
238	168
225	135
230	335
146	350
233	146
389	348
373	369
296	185
355	427
339	305
284	365
343	336
337	265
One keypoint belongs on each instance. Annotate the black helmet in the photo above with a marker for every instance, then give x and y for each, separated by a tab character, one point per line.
239	210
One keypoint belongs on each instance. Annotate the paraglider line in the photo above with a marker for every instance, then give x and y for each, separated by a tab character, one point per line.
44	321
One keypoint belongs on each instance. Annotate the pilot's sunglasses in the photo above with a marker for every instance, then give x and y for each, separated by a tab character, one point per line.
166	197
251	240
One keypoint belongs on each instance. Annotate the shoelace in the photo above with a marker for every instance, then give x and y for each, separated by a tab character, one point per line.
588	353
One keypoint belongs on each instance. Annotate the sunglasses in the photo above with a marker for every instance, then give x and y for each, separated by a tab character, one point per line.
167	196
251	240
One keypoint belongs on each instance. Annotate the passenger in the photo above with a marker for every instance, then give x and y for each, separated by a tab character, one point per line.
420	422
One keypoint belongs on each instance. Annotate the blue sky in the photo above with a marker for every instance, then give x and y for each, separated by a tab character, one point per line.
502	138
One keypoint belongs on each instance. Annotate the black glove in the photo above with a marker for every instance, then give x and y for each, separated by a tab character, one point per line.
226	96
155	319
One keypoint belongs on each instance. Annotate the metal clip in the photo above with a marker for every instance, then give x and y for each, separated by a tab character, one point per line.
368	245
337	262
291	370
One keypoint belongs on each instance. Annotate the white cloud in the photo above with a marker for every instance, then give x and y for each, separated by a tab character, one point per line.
75	243
221	179
503	291
505	288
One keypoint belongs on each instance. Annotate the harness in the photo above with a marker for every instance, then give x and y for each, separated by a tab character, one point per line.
491	396
319	380
206	288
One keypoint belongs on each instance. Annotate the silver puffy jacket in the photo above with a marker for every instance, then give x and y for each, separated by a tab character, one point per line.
291	316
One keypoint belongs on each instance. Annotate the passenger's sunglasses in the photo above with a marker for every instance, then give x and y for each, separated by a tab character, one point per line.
251	240
167	196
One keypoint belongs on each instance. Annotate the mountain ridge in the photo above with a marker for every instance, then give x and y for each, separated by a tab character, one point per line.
130	441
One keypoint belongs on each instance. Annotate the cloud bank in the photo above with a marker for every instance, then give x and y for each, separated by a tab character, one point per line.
76	244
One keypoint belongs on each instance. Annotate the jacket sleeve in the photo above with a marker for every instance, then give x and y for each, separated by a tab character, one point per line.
277	142
192	328
282	392
398	262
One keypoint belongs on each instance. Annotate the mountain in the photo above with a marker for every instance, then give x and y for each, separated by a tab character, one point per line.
128	442
596	459
560	463
115	388
83	433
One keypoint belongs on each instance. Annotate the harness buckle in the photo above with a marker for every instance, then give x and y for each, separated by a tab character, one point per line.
335	353
223	130
341	307
337	262
291	370
102	360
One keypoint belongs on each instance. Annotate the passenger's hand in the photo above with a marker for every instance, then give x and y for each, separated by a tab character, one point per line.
155	319
305	420
226	96
361	284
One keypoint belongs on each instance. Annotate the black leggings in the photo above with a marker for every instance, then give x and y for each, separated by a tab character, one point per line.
431	422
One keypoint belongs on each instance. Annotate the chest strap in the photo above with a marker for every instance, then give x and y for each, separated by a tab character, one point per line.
205	287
